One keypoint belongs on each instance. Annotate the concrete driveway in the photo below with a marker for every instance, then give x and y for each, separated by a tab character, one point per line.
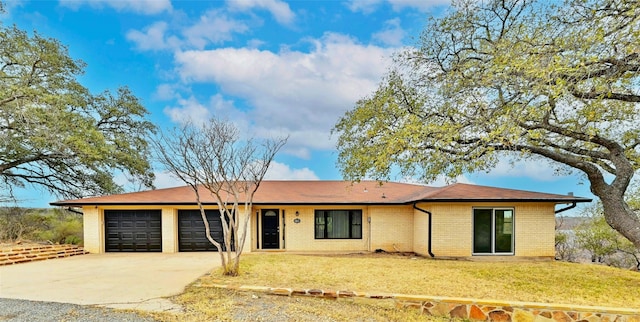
117	280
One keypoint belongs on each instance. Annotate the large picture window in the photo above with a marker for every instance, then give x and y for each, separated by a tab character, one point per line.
338	224
492	231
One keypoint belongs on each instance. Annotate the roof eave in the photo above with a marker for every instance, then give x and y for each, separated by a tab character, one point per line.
369	203
62	204
558	200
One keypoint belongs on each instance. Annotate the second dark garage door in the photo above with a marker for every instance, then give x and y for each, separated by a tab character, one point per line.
191	233
133	230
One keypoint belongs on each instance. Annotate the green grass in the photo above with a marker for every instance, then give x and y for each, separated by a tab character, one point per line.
548	282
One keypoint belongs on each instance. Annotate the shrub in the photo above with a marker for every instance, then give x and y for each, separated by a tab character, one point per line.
54	226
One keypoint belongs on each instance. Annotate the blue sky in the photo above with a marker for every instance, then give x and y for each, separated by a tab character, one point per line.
274	67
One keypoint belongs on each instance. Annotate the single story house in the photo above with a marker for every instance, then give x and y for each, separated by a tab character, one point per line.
458	220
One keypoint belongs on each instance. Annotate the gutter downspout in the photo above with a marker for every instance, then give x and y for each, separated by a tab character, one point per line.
573	205
69	209
415	206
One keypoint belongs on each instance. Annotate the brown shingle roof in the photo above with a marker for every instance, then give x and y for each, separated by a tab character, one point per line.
462	192
330	192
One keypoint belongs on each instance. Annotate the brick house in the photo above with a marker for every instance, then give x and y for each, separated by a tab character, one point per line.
459	220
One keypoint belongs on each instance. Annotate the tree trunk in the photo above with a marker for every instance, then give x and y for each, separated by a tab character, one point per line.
619	215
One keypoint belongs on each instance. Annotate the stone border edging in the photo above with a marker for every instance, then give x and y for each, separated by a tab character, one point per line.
464	308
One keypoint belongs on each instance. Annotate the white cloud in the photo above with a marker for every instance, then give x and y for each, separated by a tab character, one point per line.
292	92
423	5
9	6
364	6
153	37
277	171
165	92
280	10
369	6
164	179
213	27
147	7
392	33
188	110
191	110
441	181
281	171
536	168
255	43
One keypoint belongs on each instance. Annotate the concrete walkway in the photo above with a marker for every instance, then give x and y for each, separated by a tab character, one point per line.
127	280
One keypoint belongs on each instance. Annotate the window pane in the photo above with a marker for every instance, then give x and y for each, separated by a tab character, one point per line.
320	224
504	231
338	224
482	231
356	224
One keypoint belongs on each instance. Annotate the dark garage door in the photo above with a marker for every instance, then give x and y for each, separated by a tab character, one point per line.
191	233
133	231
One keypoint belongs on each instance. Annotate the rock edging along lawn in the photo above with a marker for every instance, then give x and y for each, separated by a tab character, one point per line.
464	308
24	254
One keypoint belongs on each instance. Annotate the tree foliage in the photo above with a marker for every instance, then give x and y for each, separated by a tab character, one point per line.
53	226
565	244
55	134
214	157
510	80
604	244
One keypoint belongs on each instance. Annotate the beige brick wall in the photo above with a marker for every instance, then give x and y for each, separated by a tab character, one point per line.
453	228
390	225
392	228
301	236
421	232
93	227
535	230
401	226
169	230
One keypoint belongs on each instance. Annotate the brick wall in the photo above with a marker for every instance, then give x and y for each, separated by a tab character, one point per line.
391	228
93	229
421	232
169	230
453	228
301	236
535	230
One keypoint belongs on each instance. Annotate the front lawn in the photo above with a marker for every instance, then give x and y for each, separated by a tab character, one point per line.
556	282
547	281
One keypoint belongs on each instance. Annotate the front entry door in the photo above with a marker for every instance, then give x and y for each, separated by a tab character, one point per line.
270	229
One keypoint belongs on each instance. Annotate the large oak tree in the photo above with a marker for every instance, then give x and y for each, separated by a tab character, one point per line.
511	79
54	133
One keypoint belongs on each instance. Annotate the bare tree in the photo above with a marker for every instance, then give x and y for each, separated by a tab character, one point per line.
212	159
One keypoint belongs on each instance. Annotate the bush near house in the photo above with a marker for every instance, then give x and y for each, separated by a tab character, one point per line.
53	226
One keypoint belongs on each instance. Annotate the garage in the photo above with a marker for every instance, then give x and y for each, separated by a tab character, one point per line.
191	231
133	230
